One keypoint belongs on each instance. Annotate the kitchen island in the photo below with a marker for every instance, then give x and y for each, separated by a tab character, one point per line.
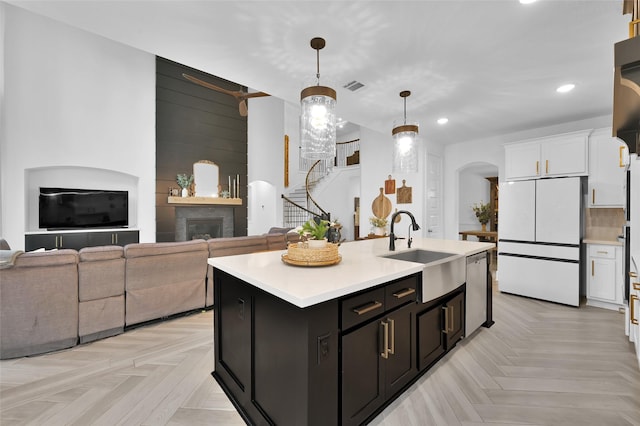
334	344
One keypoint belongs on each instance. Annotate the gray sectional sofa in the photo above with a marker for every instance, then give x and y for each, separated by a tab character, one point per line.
56	299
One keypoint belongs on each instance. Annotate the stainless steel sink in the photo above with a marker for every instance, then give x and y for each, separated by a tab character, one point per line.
443	272
420	256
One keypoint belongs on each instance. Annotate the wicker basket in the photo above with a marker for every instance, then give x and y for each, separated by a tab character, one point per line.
301	254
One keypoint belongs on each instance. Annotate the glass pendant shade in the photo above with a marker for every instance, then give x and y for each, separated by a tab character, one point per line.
318	123
405	148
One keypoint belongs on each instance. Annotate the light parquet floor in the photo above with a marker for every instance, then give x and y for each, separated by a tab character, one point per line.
540	364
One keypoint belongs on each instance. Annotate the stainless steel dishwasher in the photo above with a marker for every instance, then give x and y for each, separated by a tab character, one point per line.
476	298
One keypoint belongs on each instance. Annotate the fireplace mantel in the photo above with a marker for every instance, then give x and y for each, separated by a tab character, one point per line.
205	200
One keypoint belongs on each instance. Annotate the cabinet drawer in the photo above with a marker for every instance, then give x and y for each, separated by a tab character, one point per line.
604	251
400	292
362	307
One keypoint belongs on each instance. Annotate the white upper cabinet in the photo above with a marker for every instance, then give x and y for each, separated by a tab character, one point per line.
556	156
607	175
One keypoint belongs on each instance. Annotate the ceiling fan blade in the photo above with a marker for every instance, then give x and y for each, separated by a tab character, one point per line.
237	95
242	107
254	95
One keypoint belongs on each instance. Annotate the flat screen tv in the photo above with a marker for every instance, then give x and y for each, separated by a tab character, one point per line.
67	208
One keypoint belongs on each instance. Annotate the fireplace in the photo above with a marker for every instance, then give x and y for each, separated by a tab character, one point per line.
198	222
204	229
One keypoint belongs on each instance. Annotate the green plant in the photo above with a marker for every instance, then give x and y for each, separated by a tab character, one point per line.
378	222
483	212
183	180
314	230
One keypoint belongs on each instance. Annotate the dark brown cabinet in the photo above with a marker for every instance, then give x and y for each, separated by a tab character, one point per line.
440	327
78	240
341	361
378	358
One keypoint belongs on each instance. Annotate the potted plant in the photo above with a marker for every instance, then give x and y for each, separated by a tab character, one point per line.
314	231
379	225
184	182
483	213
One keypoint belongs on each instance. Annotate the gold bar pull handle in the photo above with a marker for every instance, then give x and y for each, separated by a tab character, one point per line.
546	167
61	243
446	319
537	167
592	267
621	154
392	337
453	319
371	306
633	298
385	340
404	293
593	196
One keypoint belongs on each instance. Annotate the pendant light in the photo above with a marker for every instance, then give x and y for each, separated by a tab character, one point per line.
318	116
405	143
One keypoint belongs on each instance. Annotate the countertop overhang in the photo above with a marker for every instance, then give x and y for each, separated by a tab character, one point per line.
362	267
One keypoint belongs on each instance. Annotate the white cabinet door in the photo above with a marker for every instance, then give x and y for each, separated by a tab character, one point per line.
565	156
602	279
557	210
517	202
522	161
607	173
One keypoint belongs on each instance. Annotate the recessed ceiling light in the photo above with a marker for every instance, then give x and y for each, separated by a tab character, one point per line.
565	88
527	1
443	120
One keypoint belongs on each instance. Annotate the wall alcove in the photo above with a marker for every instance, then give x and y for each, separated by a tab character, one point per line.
77	177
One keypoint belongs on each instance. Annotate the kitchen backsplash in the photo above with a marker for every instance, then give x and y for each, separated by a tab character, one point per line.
604	224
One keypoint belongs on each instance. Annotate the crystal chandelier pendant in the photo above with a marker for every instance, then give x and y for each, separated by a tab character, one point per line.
405	143
318	117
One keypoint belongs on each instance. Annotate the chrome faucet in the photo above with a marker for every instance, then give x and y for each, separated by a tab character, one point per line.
393	238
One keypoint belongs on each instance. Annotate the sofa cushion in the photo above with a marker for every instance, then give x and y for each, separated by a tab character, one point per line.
237	245
46	258
89	254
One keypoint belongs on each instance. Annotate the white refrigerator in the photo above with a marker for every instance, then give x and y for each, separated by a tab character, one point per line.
540	232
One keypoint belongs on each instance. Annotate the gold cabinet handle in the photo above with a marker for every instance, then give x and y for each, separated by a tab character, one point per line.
392	337
633	298
446	319
592	267
361	310
404	293
453	319
602	252
385	340
593	196
546	167
620	154
537	167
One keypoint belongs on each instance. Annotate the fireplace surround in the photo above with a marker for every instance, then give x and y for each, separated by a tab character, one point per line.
198	221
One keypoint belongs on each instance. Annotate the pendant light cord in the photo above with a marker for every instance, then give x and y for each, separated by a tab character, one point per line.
318	67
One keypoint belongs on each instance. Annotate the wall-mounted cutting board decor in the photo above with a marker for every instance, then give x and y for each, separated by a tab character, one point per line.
390	186
404	194
381	205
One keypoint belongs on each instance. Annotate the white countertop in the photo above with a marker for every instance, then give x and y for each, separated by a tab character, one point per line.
361	268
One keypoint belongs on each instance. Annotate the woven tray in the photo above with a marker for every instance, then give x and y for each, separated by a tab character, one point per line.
301	255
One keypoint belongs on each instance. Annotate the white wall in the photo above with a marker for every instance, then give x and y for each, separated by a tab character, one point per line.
73	99
491	150
375	167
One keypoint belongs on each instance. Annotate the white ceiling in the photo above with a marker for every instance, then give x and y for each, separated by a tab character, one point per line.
491	67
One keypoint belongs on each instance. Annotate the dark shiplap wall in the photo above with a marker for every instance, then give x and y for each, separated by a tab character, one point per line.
194	123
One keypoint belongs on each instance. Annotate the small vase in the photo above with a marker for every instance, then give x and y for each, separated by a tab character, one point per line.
379	231
185	192
484	227
317	244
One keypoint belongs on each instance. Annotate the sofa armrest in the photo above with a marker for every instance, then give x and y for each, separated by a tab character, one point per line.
46	258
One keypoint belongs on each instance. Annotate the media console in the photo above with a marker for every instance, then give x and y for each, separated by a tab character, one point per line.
77	239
